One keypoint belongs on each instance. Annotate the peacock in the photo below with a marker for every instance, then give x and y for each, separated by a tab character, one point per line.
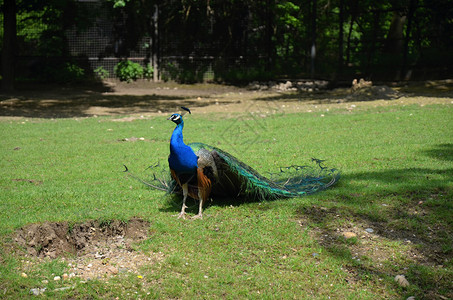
204	171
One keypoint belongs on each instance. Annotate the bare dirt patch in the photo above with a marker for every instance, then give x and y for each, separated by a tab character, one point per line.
55	239
115	98
92	249
372	239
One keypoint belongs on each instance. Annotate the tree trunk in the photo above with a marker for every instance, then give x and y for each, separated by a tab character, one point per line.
313	39
348	42
395	38
410	15
340	38
9	44
354	11
269	33
394	44
372	46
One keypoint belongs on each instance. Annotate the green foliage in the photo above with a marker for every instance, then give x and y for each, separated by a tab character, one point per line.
243	75
278	33
119	3
128	71
72	72
184	71
61	72
41	26
148	72
170	72
101	73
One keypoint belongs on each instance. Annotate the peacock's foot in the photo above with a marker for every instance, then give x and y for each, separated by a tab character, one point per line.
199	216
181	215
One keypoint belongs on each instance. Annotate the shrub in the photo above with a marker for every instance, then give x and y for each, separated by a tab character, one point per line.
184	72
101	73
129	71
148	72
73	72
61	72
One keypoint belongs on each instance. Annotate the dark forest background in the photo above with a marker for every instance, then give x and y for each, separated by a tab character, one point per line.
226	40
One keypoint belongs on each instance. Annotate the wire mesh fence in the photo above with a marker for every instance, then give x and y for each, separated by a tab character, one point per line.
212	47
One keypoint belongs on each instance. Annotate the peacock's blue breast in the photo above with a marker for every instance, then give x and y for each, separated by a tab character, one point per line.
182	159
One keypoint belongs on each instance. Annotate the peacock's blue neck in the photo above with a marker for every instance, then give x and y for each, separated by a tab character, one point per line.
176	137
182	158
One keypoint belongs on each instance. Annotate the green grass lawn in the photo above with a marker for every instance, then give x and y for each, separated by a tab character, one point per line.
397	179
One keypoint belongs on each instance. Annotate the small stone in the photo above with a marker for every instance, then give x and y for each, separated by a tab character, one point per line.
45	281
72	275
35	292
411	298
24	275
349	234
401	280
62	288
57	278
65	276
369	230
113	270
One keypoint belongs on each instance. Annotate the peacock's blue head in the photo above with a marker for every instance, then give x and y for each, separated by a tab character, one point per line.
177	118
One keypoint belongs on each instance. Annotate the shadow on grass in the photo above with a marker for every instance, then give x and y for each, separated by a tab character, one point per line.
438	89
89	100
318	97
401	225
88	105
401	221
390	222
430	88
441	152
173	203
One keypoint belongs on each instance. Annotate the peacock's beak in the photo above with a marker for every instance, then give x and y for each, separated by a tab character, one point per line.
169	118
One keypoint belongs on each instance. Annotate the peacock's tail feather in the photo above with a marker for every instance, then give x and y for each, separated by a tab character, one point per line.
236	179
290	181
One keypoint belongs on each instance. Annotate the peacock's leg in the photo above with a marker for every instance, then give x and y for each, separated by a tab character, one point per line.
200	209
185	192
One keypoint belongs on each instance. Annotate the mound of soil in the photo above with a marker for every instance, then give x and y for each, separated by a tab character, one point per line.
56	239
